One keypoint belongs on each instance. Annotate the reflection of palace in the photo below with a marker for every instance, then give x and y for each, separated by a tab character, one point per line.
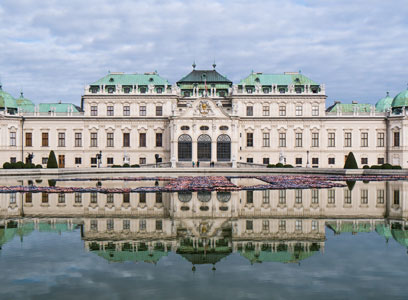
264	118
204	227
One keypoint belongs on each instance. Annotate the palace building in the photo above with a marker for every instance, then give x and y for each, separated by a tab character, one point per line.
204	117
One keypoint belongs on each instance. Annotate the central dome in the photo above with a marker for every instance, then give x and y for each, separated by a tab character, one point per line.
384	104
401	99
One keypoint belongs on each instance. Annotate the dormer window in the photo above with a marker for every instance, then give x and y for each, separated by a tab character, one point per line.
204	128
222	94
282	90
159	90
314	90
266	91
249	91
257	79
186	94
126	90
111	80
151	79
185	127
143	90
298	90
110	90
94	89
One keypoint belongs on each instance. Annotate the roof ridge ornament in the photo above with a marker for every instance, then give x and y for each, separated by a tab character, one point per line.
194	65
388	94
214	65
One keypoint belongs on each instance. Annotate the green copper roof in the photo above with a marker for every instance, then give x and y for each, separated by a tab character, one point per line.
201	76
350	227
278	79
401	236
384	231
6	100
48	107
132	79
401	99
349	108
23	101
384	104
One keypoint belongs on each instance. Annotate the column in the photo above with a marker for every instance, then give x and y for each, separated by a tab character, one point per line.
214	149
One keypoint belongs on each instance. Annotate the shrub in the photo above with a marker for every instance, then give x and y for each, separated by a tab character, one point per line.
19	165
366	167
375	167
288	166
396	167
52	161
135	166
271	166
38	166
126	165
279	165
29	166
7	165
386	166
116	166
351	162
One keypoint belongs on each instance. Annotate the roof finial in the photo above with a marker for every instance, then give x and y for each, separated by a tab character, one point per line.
194	65
214	65
388	94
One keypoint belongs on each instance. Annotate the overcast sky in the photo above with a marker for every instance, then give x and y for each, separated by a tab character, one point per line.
51	49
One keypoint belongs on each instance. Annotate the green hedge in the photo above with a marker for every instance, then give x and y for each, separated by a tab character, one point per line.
279	165
20	165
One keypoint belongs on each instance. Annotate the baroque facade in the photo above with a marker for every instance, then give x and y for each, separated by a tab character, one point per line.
204	117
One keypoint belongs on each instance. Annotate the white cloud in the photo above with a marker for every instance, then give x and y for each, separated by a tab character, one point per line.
52	49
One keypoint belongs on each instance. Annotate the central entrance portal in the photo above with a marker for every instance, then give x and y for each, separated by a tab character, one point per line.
204	147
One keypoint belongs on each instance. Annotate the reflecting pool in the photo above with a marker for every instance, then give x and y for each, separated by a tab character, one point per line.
343	242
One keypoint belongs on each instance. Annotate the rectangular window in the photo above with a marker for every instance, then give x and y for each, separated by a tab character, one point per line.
109	110
265	196
13	139
315	139
126	197
364	160
159	90
298	139
315	160
142	198
380	139
396	197
396	139
331	139
142	139
265	225
78	139
298	160
94	139
29	197
94	161
249	225
109	160
314	225
282	110
159	197
299	110
44	139
78	198
347	196
14	159
109	139
315	196
110	224
250	139
159	111
298	225
142	111
298	196
364	196
332	160
61	139
265	111
78	160
142	160
282	225
364	139
282	196
94	224
250	197
159	225
347	139
380	196
110	198
126	139
250	160
142	224
315	110
331	196
126	110
94	197
265	140
44	160
282	139
265	160
126	224
250	111
94	110
159	139
44	197
61	198
380	160
29	139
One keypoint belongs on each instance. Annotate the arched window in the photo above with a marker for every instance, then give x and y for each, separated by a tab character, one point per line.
185	196
223	148
204	196
223	196
204	147
204	128
184	147
185	127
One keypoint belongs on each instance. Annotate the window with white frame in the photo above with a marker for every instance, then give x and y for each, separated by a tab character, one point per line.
298	225
94	110
298	139
299	110
380	196
265	110
265	196
347	196
61	139
315	226
78	139
109	110
250	111
282	225
282	139
331	142
265	225
315	196
94	139
265	139
364	139
282	196
331	196
109	139
298	196
13	138
315	139
364	196
380	139
142	110
315	110
126	110
347	139
282	110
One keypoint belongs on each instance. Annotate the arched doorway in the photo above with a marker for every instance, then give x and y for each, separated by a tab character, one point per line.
223	148
204	147
184	148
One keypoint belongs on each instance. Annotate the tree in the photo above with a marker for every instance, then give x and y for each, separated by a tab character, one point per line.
52	161
351	162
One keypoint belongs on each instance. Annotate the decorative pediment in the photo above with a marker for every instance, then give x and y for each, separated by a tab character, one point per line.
205	108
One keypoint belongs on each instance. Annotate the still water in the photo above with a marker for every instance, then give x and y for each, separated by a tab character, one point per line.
343	243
